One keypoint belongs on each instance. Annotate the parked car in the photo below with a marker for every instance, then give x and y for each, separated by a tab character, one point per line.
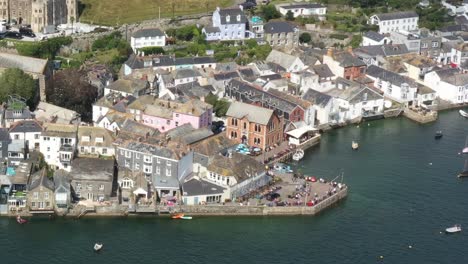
13	35
25	31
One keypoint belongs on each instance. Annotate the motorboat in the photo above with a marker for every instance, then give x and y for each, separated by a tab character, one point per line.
465	149
298	155
282	168
98	246
20	220
186	218
177	216
453	229
464	173
354	145
463	113
438	135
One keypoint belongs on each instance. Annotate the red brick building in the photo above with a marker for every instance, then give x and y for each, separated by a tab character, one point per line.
253	125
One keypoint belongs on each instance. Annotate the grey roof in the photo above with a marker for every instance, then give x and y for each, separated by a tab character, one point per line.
41	179
355	94
273	27
283	59
61	181
232	13
348	60
136	128
200	187
191	90
25	114
46	112
203	60
226	66
316	97
90	169
383	50
311	5
456	79
323	71
212	29
374	35
27	64
148	32
397	15
137	62
150	149
247	74
389	76
199	158
196	135
253	113
128	86
186	73
226	75
26	126
4	135
452	28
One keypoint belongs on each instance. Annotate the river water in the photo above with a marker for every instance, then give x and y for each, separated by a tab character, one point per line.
403	192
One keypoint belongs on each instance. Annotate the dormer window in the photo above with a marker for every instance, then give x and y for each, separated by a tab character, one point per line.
228	18
238	18
99	139
85	138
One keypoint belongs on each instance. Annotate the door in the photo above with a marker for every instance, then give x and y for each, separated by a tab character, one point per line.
185	201
195	201
90	196
40	205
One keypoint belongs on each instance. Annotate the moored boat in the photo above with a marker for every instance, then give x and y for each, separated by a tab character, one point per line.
453	229
463	113
464	173
186	218
354	145
98	246
298	155
20	220
438	135
177	216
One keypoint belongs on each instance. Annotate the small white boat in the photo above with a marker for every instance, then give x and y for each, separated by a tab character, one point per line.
186	217
354	145
97	247
453	229
298	155
463	113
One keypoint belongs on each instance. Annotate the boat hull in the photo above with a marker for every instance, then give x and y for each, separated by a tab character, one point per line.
463	113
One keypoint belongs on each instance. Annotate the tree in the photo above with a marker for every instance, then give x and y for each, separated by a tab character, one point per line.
15	81
220	107
72	91
289	15
269	12
355	41
305	38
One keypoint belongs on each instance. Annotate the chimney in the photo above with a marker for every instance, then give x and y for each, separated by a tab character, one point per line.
142	53
350	50
330	52
218	9
241	7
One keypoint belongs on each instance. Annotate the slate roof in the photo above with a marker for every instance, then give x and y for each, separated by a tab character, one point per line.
61	181
128	86
374	35
148	32
247	74
294	6
185	73
348	60
25	114
46	112
355	94
274	27
4	135
226	75
396	15
137	62
27	64
91	169
323	71
383	50
212	29
316	97
213	145
195	187
253	113
281	58
226	66
26	126
93	133
136	128
59	130
158	151
456	79
237	166
41	180
232	13
192	90
389	76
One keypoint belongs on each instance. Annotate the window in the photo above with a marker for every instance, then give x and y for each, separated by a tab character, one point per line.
78	186
81	149
137	166
127	163
104	150
93	149
168	122
168	163
158	161
424	45
46	195
158	170
128	154
36	136
101	187
90	187
435	44
168	172
33	204
147	158
245	125
48	148
36	195
147	169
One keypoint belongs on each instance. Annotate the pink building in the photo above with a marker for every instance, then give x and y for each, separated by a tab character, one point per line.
166	115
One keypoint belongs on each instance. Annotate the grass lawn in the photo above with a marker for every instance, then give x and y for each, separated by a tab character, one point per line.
117	12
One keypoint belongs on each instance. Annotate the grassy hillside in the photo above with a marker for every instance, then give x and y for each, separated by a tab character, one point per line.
117	12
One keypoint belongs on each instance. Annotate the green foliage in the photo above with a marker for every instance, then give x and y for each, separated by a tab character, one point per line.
220	107
44	49
339	36
112	46
305	38
15	81
306	20
196	49
152	50
433	17
185	33
355	41
111	41
290	16
251	43
269	12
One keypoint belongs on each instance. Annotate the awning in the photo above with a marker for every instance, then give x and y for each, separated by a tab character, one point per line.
298	132
140	191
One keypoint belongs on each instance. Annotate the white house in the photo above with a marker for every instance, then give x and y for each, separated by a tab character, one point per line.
450	84
58	145
397	21
371	38
198	191
95	141
228	24
147	37
302	9
326	107
28	131
395	86
289	62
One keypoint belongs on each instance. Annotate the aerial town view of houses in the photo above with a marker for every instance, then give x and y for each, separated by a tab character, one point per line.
200	112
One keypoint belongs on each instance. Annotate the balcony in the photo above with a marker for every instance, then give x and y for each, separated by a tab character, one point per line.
66	148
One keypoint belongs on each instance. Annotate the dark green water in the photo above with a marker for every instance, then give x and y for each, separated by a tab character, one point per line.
396	199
